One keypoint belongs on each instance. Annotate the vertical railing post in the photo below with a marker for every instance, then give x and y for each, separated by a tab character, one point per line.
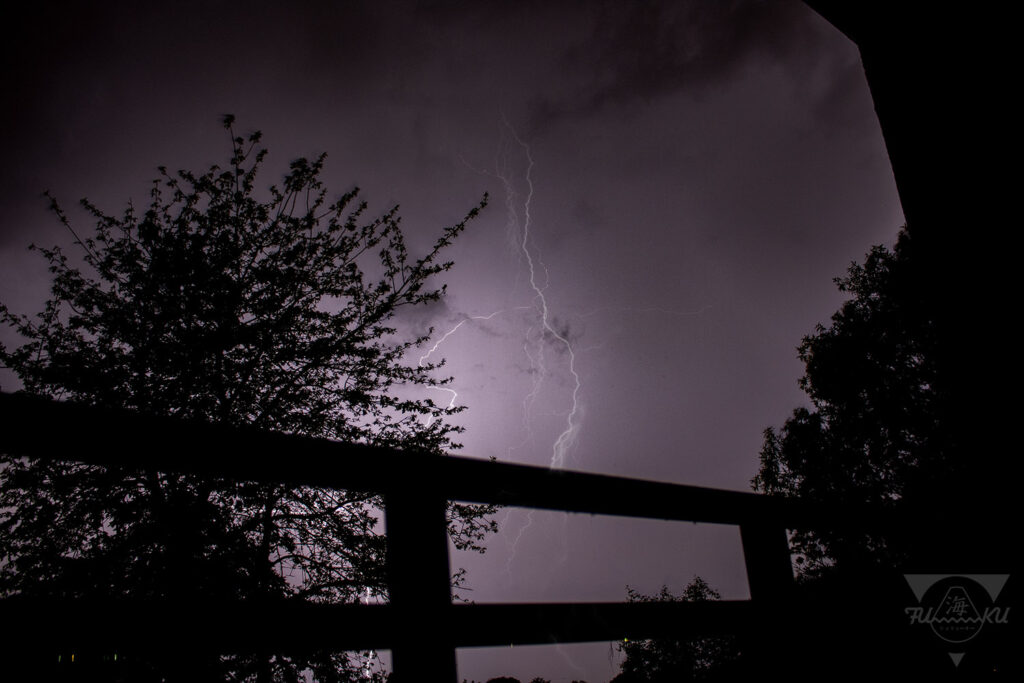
769	565
768	560
420	585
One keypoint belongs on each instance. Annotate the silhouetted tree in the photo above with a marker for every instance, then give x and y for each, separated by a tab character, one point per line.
877	430
671	661
213	304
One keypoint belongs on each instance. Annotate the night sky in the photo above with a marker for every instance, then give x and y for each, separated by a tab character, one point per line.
686	179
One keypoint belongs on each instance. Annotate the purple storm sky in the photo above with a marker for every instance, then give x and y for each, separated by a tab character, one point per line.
700	172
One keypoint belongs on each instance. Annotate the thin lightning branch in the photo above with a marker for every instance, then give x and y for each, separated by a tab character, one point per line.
514	545
424	357
648	309
538	381
371	656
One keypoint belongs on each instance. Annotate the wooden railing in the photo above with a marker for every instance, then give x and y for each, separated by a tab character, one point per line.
420	625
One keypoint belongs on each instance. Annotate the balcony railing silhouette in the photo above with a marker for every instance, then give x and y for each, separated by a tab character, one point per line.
420	625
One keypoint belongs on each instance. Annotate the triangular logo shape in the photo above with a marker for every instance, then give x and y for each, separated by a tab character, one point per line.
919	583
993	583
956	657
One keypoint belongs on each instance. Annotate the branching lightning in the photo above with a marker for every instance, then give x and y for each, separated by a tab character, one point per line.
567	438
545	342
543	332
519	232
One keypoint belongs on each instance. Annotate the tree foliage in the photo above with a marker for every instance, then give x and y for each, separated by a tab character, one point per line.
215	304
666	660
876	431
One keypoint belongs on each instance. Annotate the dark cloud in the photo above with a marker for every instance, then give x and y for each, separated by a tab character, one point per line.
417	320
640	51
80	72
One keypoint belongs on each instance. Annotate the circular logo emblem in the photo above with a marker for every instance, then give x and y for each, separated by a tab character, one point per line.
956	619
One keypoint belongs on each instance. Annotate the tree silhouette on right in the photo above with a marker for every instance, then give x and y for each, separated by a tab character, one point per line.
900	453
876	432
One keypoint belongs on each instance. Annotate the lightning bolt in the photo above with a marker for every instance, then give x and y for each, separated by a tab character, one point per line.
520	236
540	337
567	438
520	239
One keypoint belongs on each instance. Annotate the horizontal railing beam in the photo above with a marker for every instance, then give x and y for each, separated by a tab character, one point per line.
38	625
44	428
291	627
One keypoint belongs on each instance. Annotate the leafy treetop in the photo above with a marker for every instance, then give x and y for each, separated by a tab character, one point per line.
212	304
